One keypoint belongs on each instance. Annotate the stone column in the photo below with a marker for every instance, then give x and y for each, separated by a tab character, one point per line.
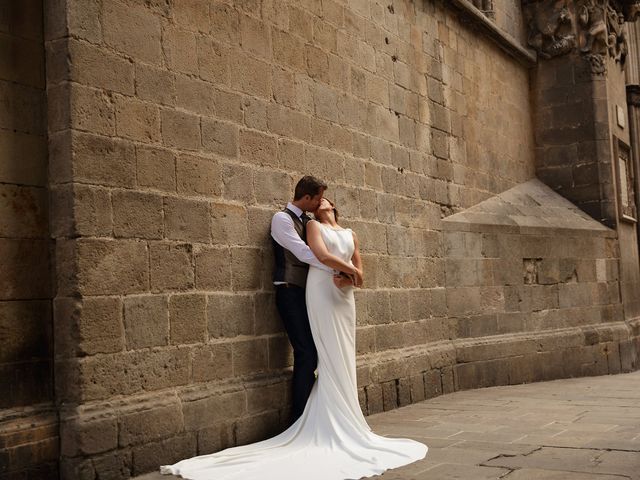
633	97
582	52
581	117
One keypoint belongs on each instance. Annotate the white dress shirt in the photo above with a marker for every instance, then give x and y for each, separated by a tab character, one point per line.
283	231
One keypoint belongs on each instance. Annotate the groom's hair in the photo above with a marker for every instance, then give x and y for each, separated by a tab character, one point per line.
308	185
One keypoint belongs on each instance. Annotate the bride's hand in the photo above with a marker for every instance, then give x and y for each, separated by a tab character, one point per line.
358	278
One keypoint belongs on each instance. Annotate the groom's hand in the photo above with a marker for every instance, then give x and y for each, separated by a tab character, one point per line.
342	281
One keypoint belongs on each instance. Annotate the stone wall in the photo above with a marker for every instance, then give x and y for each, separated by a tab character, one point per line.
27	421
176	129
175	133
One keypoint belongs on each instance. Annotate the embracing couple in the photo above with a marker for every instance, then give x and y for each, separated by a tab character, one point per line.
317	267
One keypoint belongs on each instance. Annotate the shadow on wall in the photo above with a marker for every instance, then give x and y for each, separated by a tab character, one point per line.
28	422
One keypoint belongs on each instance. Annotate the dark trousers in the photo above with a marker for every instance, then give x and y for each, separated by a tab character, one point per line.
290	301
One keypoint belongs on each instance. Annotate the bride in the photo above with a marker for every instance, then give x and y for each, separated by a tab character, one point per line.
331	440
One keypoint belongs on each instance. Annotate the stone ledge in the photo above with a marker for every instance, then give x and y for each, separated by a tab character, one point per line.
29	441
505	41
530	208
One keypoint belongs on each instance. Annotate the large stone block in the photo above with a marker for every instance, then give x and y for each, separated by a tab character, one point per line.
229	106
213	60
155	84
155	423
230	315
26	269
251	76
272	188
225	23
91	110
180	52
187	318
77	209
220	137
171	266
156	168
28	383
258	427
258	148
23	211
250	356
110	267
288	50
288	123
187	220
266	397
212	362
105	376
245	268
88	326
213	269
137	120
194	95
146	321
137	215
198	176
229	224
180	129
88	436
22	108
102	161
267	318
374	399
192	15
98	68
25	156
390	395
26	327
169	451
132	30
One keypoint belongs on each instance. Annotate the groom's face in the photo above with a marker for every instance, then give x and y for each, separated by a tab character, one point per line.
313	202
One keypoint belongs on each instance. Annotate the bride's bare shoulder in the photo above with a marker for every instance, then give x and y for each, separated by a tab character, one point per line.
313	224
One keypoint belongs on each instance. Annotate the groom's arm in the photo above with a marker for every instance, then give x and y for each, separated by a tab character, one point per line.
283	232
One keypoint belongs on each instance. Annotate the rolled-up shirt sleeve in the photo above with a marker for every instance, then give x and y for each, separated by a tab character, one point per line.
284	232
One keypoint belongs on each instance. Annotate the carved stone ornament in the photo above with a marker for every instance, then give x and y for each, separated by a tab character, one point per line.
594	27
550	27
631	10
601	32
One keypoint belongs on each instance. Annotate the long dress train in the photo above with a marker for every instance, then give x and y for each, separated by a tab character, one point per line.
331	440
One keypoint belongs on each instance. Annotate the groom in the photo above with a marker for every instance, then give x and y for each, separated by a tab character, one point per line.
292	259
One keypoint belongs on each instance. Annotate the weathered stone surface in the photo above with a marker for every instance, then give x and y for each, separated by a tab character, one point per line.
104	266
137	215
176	129
139	427
187	220
198	176
213	271
230	315
212	362
187	318
146	321
171	266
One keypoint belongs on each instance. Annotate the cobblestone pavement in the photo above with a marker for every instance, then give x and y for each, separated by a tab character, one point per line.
579	428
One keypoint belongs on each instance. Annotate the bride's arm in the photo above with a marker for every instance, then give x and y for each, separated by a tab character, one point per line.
357	260
319	249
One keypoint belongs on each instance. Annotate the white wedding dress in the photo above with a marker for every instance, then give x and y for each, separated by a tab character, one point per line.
331	440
